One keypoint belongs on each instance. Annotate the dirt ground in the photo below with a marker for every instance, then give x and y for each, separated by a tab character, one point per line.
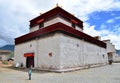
104	74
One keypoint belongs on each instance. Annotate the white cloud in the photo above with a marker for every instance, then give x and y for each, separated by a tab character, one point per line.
83	8
104	33
115	39
110	21
113	19
15	15
91	30
112	14
117	18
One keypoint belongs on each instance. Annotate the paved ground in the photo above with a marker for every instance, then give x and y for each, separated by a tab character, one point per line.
104	74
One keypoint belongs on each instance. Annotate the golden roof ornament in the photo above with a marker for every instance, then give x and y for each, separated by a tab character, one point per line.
57	5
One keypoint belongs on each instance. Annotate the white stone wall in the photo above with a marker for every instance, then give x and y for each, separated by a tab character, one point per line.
56	20
110	50
41	49
53	21
75	53
116	58
67	52
21	49
110	47
78	28
45	46
35	28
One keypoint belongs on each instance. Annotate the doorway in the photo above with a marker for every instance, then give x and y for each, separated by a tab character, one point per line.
30	61
110	58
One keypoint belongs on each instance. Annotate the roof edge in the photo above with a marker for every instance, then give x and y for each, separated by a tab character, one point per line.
52	12
59	27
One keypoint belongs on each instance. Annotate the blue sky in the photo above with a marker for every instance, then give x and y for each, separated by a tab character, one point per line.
100	17
109	18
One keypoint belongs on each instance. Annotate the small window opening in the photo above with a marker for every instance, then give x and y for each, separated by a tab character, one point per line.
103	56
41	25
73	25
30	45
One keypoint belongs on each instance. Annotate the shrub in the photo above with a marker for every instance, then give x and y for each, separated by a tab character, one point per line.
5	62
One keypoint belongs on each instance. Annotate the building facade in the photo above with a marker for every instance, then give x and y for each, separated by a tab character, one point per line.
111	52
4	55
56	42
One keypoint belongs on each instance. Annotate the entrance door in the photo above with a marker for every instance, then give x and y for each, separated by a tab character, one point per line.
30	61
110	58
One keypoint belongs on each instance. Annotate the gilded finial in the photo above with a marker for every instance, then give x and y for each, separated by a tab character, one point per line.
57	5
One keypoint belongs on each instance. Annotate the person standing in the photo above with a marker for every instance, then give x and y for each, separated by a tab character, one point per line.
29	73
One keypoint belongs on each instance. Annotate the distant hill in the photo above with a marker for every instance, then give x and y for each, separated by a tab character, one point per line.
118	52
8	47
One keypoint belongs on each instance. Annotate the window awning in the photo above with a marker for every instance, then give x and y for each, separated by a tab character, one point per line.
28	54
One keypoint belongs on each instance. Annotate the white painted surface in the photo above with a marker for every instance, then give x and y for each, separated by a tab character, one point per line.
75	53
41	48
35	28
45	46
110	50
116	58
56	20
21	49
53	21
67	52
78	28
110	47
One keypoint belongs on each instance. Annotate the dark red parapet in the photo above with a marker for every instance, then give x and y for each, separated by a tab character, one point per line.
62	28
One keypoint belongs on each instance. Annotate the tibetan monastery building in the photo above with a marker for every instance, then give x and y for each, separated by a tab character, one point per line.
56	42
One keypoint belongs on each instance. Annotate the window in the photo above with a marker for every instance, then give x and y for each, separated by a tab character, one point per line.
73	25
103	55
30	45
41	25
77	45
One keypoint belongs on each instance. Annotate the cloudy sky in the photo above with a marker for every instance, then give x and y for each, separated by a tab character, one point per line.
100	17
